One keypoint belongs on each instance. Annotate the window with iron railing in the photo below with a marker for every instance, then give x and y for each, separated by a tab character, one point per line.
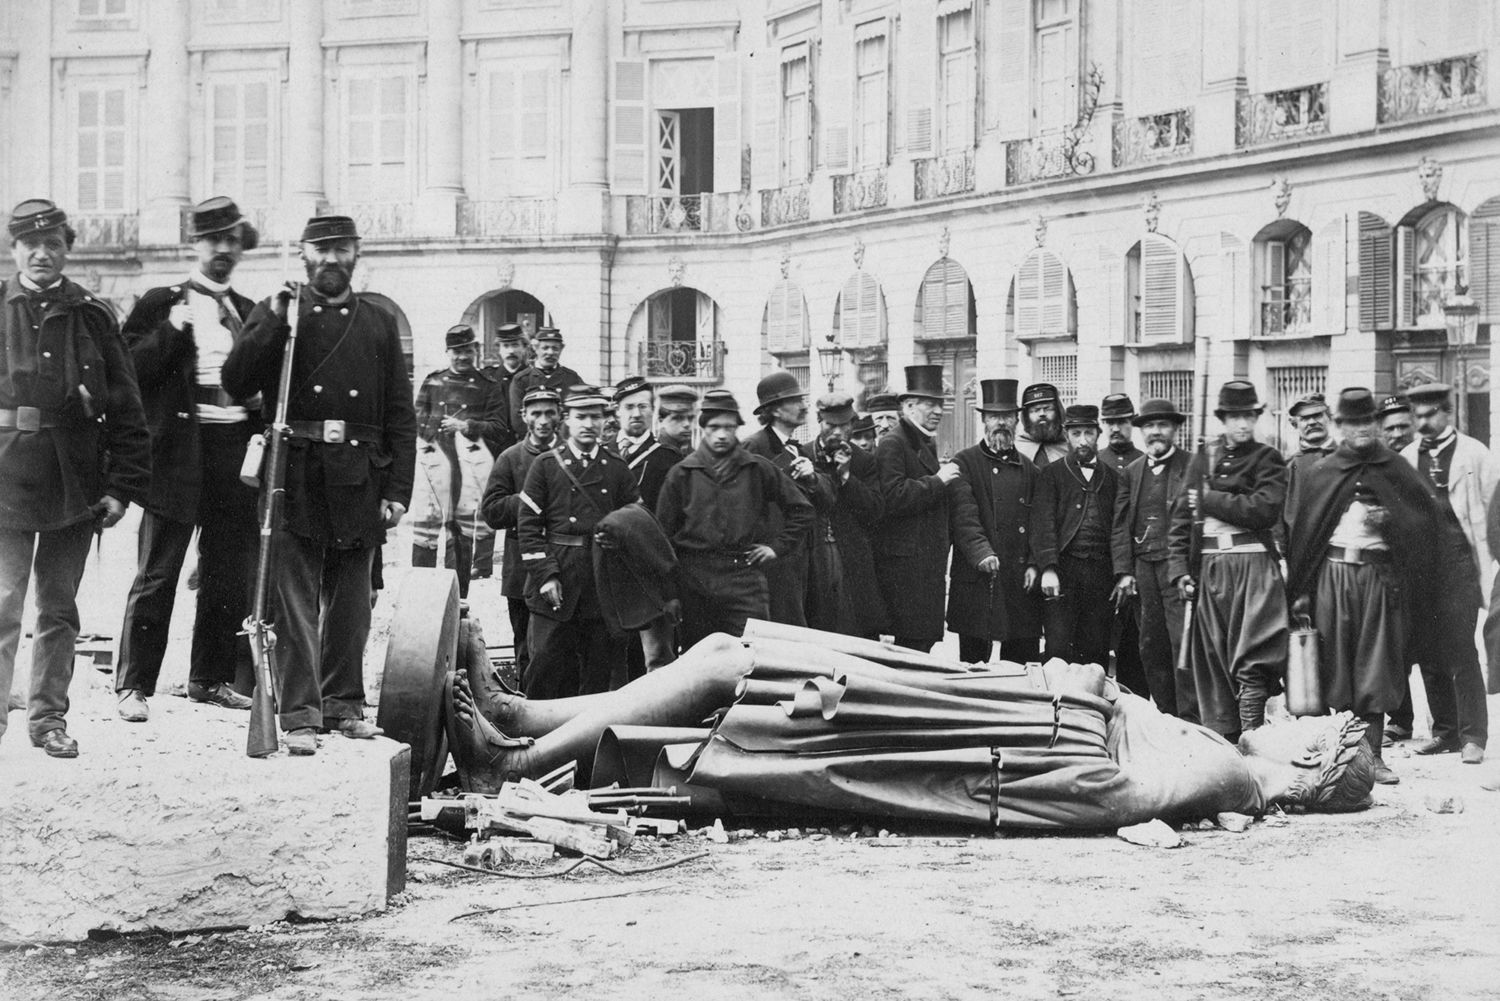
1286	284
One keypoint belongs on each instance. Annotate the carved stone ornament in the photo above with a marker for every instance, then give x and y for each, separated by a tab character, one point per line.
1430	176
1283	196
1039	230
505	274
859	252
1152	207
945	239
676	268
786	262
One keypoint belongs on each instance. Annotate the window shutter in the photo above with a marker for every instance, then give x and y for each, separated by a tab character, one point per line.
1055	298
1375	273
225	137
629	158
1028	296
1113	265
861	312
945	302
727	159
1330	289
1484	260
503	102
1013	57
1161	289
705	325
919	58
786	319
1406	270
765	155
835	109
255	185
535	108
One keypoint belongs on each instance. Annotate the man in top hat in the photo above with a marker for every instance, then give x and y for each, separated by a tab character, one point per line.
1367	544
843	595
1238	643
350	459
1460	471
1041	439
1396	422
992	582
884	412
781	410
459	413
567	490
1116	414
501	508
546	370
862	433
179	336
1149	486
509	360
1073	545
712	508
74	451
911	554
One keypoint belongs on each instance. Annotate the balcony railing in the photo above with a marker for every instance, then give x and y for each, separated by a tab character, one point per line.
940	176
724	212
107	230
787	204
682	360
1152	138
858	192
507	217
1043	157
1281	114
380	220
1286	317
1424	89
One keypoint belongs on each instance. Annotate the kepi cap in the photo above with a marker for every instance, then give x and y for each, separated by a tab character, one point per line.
1081	415
1040	392
322	228
548	334
715	402
509	333
35	215
836	408
882	403
676	397
458	336
1394	404
1116	407
630	385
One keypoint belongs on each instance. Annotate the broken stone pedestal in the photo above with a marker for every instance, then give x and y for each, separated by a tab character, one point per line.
168	826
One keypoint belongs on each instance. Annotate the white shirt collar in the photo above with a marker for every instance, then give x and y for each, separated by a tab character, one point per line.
199	278
28	283
590	456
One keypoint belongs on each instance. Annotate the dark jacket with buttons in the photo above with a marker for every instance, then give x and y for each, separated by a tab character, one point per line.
991	516
501	507
166	368
347	365
1246	488
1058	513
560	380
1128	501
911	548
472	396
703	514
650	463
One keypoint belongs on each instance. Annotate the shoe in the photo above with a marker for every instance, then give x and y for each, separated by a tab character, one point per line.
1384	776
1472	754
57	743
218	694
1435	746
1395	734
302	742
133	706
357	729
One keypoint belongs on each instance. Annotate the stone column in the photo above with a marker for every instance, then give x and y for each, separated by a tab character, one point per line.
164	165
1223	79
437	207
1353	93
304	193
581	205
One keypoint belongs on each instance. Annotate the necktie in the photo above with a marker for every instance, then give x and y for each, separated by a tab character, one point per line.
1432	444
228	318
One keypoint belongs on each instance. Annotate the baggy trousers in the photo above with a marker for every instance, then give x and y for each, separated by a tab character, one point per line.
1239	642
322	617
58	556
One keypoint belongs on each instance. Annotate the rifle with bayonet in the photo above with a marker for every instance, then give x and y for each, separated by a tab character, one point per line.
1197	480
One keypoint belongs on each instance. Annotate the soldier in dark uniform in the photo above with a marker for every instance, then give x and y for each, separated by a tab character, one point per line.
992	584
1041	439
510	361
502	502
843	594
782	410
568	489
1116	413
459	411
74	452
1396	422
179	337
911	552
547	372
350	461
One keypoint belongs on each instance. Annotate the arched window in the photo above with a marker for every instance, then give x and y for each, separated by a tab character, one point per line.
1159	292
1043	299
945	303
784	330
675	334
859	327
1431	255
1283	279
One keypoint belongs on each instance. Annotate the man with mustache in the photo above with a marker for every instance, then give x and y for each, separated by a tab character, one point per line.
843	595
884	412
1149	486
179	336
1041	439
1395	422
992	582
509	361
350	459
547	371
1116	413
1310	418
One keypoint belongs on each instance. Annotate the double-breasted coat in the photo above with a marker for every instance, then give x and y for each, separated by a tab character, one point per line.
501	506
911	553
991	516
559	379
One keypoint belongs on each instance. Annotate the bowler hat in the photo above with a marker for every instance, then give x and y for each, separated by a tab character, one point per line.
863	424
778	386
509	333
548	334
1158	410
1238	396
1116	407
35	215
580	396
1040	392
460	335
676	397
322	228
630	385
1081	415
1355	404
1394	404
836	408
1432	393
715	402
541	394
220	214
923	381
1312	401
998	396
882	403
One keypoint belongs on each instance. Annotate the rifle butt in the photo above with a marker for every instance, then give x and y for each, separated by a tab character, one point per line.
261	740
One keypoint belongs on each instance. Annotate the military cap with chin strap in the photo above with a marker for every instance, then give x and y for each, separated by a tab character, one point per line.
998	396
220	214
1081	415
548	334
1040	392
581	396
509	333
923	382
460	335
779	385
1355	404
1159	410
35	215
323	228
836	408
1394	404
540	394
1116	407
1237	396
717	402
630	385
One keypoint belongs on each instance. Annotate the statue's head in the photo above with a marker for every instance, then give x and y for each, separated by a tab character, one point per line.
1332	768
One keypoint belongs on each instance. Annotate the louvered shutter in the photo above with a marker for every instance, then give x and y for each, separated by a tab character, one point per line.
1484	260
1330	289
1028	296
1375	276
1406	271
786	319
728	163
1013	64
1056	302
1161	290
861	312
919	62
255	152
765	155
535	117
837	66
628	176
1116	308
502	138
945	302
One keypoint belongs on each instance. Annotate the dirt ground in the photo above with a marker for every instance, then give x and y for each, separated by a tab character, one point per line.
1399	902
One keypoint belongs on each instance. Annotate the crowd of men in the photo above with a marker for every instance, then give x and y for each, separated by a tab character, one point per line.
639	518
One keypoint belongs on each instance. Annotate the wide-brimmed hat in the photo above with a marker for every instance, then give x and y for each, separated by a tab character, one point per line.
882	402
1040	392
776	387
220	214
1159	410
1396	403
1116	407
715	402
924	382
1081	415
998	396
1432	393
322	228
509	333
1238	396
630	385
1355	404
460	335
584	395
1311	401
836	408
35	215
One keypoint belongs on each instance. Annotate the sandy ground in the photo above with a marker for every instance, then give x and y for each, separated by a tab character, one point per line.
1399	902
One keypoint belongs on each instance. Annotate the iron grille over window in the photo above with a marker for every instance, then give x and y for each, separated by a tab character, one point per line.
1176	386
1285	386
1060	370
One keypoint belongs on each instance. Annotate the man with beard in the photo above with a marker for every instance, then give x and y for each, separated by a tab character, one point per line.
843	595
1149	486
992	583
567	491
459	411
1395	422
547	372
350	459
1117	413
73	453
1460	471
781	411
1367	542
179	337
502	504
1041	439
862	433
1310	418
884	412
1238	643
911	555
510	349
1073	545
712	508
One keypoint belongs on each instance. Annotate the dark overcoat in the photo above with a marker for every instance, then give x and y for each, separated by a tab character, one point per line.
991	516
650	463
858	508
502	503
1058	512
911	552
474	396
560	379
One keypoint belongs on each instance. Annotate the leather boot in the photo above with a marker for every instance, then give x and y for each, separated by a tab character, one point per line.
1374	737
508	710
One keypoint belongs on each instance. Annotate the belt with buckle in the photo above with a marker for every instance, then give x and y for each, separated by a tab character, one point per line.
1356	555
217	396
571	541
28	419
1228	541
334	432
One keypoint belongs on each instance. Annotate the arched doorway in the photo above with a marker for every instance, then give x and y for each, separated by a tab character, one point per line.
675	336
946	326
510	305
